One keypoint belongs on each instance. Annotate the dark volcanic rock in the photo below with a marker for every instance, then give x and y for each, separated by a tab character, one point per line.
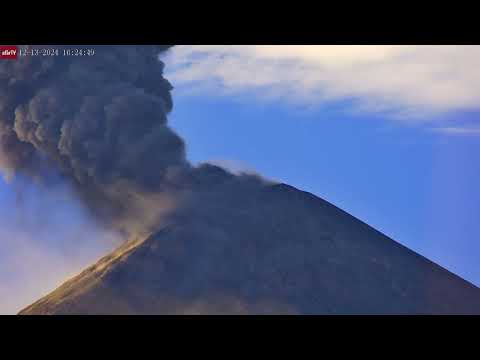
279	250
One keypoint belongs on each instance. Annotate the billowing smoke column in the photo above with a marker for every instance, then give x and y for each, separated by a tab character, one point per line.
102	122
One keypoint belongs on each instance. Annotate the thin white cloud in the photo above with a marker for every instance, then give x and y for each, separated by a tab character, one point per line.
404	81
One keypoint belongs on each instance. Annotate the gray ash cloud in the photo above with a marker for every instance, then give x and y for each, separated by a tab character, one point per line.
102	122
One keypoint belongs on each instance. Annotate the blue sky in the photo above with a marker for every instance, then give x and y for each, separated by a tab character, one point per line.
388	134
418	186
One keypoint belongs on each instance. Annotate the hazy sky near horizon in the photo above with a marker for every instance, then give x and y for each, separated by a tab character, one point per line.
389	134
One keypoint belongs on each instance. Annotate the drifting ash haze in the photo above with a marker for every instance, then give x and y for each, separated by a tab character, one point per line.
198	239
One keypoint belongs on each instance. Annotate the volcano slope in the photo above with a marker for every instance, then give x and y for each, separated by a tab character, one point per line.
275	250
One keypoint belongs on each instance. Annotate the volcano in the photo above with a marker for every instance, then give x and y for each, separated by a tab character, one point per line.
277	250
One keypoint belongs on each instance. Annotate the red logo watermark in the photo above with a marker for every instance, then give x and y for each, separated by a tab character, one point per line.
8	52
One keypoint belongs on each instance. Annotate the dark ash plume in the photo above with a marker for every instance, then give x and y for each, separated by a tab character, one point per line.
102	121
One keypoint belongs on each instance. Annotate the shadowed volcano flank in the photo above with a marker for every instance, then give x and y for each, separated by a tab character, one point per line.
275	250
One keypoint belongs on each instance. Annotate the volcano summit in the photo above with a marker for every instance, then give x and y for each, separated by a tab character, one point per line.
198	239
